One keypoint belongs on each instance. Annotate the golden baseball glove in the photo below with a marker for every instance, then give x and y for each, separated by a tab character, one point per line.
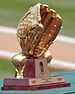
38	29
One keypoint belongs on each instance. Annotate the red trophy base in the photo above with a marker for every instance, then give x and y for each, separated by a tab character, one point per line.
34	83
36	77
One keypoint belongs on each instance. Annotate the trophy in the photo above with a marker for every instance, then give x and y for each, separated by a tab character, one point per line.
36	32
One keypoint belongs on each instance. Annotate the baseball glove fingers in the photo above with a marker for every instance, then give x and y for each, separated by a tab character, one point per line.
52	23
43	9
51	31
47	20
46	23
54	27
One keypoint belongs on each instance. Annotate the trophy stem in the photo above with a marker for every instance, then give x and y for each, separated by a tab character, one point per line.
20	72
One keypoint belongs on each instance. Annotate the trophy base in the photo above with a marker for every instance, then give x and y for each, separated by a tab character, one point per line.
34	83
37	87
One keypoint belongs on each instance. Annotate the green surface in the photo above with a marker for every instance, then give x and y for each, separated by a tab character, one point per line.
6	68
11	12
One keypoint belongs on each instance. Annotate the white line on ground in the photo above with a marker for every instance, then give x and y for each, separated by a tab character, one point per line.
7	54
65	65
57	64
10	30
65	39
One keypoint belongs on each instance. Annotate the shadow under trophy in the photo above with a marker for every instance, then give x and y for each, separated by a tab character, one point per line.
36	32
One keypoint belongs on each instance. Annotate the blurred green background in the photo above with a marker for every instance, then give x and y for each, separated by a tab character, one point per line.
11	11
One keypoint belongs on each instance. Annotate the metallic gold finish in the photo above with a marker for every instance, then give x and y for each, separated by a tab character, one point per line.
19	62
36	32
48	56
